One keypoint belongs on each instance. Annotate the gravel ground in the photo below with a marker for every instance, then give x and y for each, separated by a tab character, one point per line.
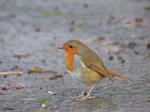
36	28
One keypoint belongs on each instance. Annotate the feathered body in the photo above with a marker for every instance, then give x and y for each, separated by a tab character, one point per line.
84	65
77	59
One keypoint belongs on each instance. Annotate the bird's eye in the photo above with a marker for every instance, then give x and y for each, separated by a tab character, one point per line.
71	46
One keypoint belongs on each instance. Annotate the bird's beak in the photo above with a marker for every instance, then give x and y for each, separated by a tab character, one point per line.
60	47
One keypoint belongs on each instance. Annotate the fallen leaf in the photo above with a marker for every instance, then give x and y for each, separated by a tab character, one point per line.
8	108
127	25
25	55
1	93
110	49
39	70
146	7
34	69
55	77
12	85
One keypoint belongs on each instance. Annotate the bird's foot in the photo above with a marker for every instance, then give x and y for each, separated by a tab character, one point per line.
86	97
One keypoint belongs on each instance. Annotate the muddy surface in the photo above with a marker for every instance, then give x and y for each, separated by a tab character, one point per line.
36	28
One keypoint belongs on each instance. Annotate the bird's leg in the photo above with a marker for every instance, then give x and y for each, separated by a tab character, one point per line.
82	94
89	93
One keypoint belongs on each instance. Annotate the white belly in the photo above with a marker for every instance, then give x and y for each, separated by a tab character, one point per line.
76	74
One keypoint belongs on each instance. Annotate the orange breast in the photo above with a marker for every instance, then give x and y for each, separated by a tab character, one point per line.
69	59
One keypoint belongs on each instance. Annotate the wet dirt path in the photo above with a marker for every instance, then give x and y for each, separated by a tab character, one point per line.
36	28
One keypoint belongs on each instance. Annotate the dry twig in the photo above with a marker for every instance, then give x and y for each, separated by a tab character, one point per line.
11	73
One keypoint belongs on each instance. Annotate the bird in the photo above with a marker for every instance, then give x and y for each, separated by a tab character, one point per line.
85	66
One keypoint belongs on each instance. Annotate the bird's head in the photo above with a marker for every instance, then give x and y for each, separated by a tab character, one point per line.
69	48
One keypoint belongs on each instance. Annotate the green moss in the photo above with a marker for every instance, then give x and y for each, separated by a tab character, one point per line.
45	107
57	12
119	89
112	105
93	14
99	105
44	100
70	13
79	25
46	14
139	95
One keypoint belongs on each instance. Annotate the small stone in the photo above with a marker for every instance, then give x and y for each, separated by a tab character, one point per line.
132	44
72	22
71	29
122	61
86	5
101	38
56	8
111	17
148	45
37	29
43	61
43	105
138	19
136	52
52	93
111	57
141	37
119	57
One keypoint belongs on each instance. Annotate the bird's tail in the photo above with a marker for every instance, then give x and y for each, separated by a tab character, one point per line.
117	75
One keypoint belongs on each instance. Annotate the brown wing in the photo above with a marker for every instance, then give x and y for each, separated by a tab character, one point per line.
105	72
101	70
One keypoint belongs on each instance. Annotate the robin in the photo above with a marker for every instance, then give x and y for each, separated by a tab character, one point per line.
85	66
